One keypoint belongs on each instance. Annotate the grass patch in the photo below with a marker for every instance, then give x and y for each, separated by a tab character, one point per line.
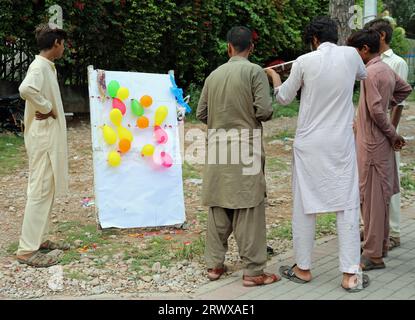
190	250
157	250
202	217
12	248
12	154
90	236
289	111
276	164
407	178
411	97
408	182
189	171
282	135
325	225
76	275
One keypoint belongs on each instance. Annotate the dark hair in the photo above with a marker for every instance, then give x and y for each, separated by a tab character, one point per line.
323	28
47	34
370	38
240	38
381	25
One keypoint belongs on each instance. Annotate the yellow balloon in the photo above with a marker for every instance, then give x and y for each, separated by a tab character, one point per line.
109	134
116	117
123	93
161	114
124	133
147	150
114	159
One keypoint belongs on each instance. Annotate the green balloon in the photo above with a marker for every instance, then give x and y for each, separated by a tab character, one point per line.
113	87
137	108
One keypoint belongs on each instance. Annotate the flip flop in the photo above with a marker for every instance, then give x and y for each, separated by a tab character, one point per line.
261	280
368	264
288	273
366	282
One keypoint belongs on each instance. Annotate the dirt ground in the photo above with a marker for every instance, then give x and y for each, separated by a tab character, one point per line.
278	175
70	210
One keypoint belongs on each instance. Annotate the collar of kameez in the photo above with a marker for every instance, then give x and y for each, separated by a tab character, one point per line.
237	58
46	60
373	61
388	53
326	45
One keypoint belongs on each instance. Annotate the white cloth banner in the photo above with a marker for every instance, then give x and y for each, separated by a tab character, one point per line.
138	192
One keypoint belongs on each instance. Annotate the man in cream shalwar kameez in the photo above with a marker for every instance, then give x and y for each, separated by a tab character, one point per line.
46	145
325	175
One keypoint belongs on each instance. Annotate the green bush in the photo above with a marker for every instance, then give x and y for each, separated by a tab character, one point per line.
157	36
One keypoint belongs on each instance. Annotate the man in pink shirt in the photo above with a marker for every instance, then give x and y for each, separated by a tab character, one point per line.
376	140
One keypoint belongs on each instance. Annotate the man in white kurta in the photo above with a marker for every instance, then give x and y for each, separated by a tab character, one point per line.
46	146
325	175
400	67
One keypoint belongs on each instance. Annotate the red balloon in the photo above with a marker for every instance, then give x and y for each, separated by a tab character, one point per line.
118	104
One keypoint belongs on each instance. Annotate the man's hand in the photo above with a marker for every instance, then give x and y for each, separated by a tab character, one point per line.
276	79
42	116
399	143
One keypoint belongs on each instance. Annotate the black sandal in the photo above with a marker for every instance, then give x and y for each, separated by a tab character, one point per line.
288	273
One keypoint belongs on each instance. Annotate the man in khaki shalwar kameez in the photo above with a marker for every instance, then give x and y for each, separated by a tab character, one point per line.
46	145
236	98
376	140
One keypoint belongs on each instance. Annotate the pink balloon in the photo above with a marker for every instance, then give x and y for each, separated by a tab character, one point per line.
167	160
160	135
118	104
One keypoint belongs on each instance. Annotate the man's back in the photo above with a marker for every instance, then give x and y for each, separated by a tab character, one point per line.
237	96
328	76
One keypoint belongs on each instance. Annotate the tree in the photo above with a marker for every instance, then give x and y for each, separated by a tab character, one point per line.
339	11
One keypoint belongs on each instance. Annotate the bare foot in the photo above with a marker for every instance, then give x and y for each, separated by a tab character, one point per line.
349	280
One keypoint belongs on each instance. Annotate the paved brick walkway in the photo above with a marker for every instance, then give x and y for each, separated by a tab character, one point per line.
396	281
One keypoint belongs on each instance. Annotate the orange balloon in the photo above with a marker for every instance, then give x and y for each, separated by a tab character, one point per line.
143	122
146	101
124	145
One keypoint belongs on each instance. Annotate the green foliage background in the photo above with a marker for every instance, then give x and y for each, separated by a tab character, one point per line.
156	36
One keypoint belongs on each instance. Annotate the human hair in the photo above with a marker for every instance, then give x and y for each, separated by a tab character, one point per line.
323	28
381	25
368	37
47	34
240	38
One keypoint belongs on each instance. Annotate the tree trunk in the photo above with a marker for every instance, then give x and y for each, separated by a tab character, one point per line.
339	12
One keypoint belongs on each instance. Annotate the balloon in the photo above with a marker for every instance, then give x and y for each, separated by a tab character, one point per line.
116	117
147	150
124	145
118	104
123	93
167	160
146	101
114	159
161	114
142	122
109	134
137	108
112	89
160	135
124	133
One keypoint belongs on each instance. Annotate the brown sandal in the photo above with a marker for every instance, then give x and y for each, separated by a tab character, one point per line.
215	273
263	279
50	245
41	260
